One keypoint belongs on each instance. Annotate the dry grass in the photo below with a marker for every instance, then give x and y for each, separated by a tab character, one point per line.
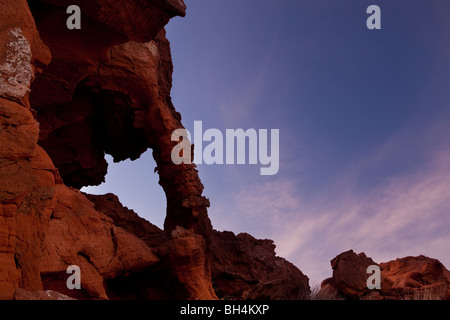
314	291
426	293
329	294
430	293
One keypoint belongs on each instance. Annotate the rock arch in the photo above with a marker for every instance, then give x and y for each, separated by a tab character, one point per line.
105	93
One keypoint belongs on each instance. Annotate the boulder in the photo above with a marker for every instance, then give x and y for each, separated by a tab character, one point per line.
409	278
246	268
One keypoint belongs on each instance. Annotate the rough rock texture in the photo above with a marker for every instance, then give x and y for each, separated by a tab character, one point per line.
22	294
109	204
410	278
79	235
67	98
182	272
103	93
246	268
349	273
242	267
94	92
415	278
26	197
16	73
16	15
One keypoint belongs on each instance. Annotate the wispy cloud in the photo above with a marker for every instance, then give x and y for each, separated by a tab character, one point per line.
407	213
240	106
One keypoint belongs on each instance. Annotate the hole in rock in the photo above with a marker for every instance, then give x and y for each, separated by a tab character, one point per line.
136	185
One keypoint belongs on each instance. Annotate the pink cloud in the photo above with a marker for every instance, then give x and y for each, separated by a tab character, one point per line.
402	215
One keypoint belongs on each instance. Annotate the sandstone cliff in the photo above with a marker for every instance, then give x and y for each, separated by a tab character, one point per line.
67	98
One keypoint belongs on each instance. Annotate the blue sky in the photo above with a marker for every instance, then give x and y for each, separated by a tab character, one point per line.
363	118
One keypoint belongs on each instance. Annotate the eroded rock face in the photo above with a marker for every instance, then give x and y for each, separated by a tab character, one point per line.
24	180
182	271
79	235
350	273
416	278
66	99
46	226
69	97
246	268
242	266
409	278
16	73
113	97
103	93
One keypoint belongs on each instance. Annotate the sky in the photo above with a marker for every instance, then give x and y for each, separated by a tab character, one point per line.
364	120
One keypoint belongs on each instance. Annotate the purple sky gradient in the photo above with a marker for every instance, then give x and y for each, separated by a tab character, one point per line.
364	119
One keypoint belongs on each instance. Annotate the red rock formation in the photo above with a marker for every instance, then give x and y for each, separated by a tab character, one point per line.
182	271
242	267
406	278
416	278
24	181
349	273
104	94
79	235
106	89
46	226
123	217
246	268
69	97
